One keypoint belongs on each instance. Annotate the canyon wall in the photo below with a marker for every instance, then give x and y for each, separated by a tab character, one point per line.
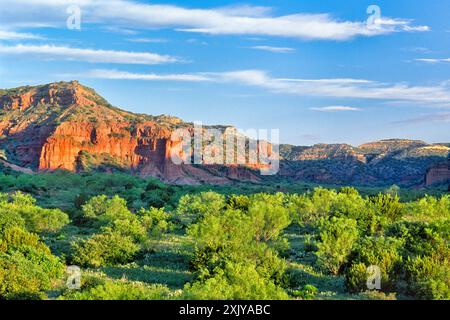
438	174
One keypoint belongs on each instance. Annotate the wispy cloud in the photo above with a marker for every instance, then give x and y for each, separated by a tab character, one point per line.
12	35
243	20
434	61
425	118
274	49
120	30
335	109
123	75
343	88
148	40
418	49
87	55
438	95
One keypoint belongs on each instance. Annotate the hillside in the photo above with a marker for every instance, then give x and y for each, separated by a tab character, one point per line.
394	161
68	126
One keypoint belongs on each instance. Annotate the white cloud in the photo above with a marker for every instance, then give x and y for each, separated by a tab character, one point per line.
148	40
120	30
123	75
433	60
243	20
329	81
245	10
87	55
274	49
335	109
12	35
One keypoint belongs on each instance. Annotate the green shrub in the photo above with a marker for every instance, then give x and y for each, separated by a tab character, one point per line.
430	208
385	253
240	202
268	219
337	238
200	205
389	206
429	277
234	237
349	204
10	219
235	282
131	228
36	219
308	292
419	238
105	249
103	210
120	290
155	221
27	267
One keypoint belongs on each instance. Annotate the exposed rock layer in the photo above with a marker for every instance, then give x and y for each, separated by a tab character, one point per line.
68	126
438	174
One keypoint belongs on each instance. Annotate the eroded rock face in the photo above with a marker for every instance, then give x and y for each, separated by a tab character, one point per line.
438	174
68	126
63	147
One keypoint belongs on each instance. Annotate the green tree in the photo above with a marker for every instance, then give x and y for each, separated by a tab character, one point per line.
105	249
202	204
104	210
337	238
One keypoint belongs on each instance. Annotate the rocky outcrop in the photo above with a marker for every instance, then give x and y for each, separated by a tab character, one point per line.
67	126
439	173
131	148
381	163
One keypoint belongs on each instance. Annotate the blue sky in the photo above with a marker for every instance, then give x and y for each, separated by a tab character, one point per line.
313	69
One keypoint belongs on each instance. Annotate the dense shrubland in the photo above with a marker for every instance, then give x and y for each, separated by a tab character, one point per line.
140	239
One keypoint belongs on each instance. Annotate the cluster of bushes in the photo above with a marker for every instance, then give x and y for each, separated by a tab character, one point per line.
409	243
99	287
69	191
122	233
235	240
27	266
238	244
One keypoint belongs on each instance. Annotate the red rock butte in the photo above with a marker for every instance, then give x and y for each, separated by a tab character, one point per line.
68	126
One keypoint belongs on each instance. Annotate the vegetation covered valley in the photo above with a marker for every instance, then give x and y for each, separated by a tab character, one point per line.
137	238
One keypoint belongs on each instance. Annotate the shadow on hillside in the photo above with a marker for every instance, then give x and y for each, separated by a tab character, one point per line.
169	268
172	278
405	172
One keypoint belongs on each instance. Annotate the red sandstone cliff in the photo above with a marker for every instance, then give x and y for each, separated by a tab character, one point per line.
68	126
438	173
